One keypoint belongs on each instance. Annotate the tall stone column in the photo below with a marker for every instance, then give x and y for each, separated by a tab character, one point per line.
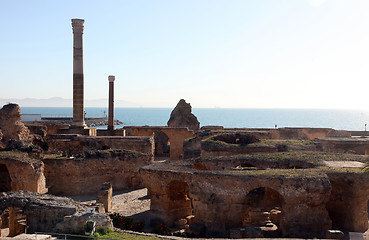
111	103
78	81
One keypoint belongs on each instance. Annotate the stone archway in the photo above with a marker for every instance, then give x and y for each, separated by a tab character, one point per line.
5	180
162	144
264	211
12	222
180	205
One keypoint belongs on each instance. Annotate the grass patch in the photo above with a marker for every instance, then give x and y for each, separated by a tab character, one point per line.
126	236
17	155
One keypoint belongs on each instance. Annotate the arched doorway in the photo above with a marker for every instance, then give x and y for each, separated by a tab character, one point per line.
162	144
5	180
180	205
264	211
13	222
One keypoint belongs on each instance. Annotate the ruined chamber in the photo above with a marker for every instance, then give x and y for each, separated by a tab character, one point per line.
283	194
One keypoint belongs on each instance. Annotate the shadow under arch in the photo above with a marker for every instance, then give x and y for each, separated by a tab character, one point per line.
181	205
5	180
264	210
162	144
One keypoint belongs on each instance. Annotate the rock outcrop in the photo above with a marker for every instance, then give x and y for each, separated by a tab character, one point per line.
181	116
10	123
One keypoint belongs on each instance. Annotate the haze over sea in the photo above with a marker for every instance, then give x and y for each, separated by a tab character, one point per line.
228	117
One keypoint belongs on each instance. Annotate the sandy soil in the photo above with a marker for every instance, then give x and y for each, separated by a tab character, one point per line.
135	203
131	203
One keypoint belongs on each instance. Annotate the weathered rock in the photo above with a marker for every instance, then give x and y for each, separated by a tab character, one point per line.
10	123
181	116
43	212
76	223
19	172
105	196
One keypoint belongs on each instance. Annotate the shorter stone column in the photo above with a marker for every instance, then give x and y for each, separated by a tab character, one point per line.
111	103
105	196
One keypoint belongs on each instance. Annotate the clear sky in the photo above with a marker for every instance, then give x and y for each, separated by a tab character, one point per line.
213	53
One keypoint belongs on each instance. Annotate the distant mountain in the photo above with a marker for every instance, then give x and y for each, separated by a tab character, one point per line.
63	102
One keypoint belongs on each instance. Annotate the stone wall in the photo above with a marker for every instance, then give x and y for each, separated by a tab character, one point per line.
345	145
75	144
347	205
309	133
115	132
43	212
85	174
176	137
219	203
24	175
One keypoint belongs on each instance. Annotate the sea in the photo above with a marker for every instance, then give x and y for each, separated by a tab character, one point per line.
354	120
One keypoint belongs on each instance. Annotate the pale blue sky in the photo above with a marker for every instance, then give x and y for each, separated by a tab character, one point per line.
213	53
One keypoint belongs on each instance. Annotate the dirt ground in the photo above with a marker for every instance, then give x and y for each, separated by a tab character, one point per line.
131	203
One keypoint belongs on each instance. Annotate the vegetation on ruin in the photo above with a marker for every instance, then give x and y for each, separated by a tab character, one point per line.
125	223
296	173
291	144
117	235
306	145
106	153
307	156
17	156
162	229
319	172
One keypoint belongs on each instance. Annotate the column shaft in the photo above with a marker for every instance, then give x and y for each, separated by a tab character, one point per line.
78	78
111	103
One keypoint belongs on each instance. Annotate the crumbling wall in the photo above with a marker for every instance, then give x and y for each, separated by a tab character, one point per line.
43	211
25	175
84	174
347	205
176	137
345	145
74	144
219	204
309	133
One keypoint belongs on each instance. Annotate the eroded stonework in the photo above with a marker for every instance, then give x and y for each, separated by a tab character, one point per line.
283	194
10	123
181	116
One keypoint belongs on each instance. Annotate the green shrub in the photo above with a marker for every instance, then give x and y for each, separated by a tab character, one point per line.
126	223
161	229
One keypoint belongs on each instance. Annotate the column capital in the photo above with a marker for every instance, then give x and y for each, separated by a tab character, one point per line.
77	25
111	78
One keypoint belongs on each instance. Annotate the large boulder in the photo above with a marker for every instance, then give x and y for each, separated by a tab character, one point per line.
181	116
11	125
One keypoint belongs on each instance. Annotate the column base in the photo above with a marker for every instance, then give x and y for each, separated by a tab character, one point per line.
78	124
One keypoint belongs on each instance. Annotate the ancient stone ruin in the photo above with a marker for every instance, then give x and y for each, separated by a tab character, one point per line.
210	181
34	212
219	182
